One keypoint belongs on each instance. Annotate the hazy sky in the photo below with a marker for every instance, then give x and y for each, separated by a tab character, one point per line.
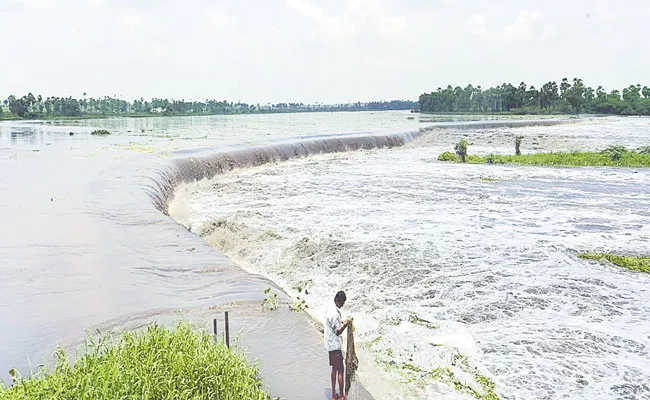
315	50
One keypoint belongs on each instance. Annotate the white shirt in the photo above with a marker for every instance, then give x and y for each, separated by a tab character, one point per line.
331	325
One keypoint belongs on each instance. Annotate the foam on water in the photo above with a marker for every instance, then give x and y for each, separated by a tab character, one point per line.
445	260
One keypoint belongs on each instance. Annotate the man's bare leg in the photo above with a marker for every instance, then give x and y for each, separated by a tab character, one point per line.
334	397
342	397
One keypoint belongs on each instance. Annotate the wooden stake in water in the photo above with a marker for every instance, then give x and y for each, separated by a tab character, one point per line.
227	332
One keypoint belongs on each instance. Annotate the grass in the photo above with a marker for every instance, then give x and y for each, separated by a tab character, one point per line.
639	264
630	159
100	132
155	363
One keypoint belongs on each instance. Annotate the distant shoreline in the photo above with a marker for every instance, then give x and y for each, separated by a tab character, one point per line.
12	117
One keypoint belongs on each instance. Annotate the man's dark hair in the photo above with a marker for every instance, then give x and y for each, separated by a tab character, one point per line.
340	296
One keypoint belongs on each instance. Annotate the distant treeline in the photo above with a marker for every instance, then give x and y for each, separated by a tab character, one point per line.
34	107
550	98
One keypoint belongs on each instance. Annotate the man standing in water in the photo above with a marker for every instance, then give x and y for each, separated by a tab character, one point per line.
333	328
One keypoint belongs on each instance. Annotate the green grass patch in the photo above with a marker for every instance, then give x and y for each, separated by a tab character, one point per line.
490	179
640	264
629	159
155	363
100	132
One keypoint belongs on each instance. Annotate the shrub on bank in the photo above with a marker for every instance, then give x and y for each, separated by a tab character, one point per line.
155	363
100	132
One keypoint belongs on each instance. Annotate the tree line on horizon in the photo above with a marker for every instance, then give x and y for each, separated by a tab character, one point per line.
35	107
567	97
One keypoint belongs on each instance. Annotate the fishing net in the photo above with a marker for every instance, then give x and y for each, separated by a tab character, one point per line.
351	361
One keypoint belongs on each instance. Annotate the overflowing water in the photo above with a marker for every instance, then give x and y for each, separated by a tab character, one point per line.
447	262
83	244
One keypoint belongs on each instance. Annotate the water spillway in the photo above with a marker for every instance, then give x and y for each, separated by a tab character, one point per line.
85	244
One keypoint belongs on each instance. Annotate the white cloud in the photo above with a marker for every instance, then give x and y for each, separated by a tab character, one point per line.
524	25
364	49
39	3
477	27
222	20
332	26
129	21
392	26
160	50
549	32
601	10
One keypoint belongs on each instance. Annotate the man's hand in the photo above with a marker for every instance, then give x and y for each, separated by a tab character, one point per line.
344	324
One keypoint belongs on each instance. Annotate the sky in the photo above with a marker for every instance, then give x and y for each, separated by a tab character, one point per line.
328	51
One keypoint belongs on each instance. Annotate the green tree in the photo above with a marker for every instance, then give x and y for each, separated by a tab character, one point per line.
548	95
18	107
575	95
564	87
646	92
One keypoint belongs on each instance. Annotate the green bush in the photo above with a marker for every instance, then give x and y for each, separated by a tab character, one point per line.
100	132
152	364
615	152
448	156
461	149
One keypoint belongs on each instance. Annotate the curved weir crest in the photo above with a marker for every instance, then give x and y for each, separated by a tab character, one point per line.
188	169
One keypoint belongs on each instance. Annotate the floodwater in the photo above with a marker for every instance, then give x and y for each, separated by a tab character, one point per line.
83	245
442	261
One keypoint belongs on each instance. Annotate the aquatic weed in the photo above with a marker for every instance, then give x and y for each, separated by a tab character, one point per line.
640	263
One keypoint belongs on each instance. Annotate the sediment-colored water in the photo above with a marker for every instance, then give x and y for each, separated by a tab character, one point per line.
83	244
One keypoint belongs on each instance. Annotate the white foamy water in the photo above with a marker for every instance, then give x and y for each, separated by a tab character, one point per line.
486	254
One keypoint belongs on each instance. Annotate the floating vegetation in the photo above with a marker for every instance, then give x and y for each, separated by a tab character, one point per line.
416	319
490	179
100	132
155	363
633	263
460	375
483	389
